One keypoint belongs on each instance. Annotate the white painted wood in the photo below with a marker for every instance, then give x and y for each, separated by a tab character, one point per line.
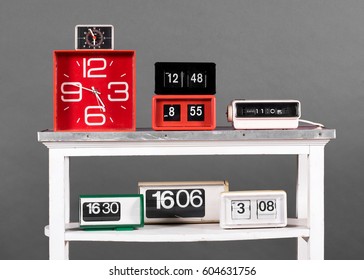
183	233
58	215
316	203
307	143
302	203
185	147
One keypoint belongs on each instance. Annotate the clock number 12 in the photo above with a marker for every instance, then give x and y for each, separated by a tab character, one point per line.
89	73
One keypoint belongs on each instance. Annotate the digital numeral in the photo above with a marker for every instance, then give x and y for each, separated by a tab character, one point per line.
267	209
175	203
95	208
240	209
196	112
105	211
167	200
171	112
173	79
196	79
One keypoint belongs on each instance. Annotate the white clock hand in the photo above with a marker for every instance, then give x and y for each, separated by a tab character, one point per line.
98	97
94	91
93	36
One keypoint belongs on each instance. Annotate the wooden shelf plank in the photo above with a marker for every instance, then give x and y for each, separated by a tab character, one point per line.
182	233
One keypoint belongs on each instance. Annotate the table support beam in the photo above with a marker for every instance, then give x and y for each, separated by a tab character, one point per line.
58	204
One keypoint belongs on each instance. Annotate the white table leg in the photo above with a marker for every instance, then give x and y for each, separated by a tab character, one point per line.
316	203
58	204
302	203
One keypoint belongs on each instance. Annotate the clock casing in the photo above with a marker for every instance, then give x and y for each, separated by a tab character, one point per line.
253	209
185	78
264	114
94	90
124	211
183	112
94	36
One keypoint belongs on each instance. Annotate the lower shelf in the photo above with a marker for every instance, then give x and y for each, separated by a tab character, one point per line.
184	233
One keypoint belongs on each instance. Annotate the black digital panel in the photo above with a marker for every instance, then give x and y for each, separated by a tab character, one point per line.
101	211
264	110
175	203
171	112
185	78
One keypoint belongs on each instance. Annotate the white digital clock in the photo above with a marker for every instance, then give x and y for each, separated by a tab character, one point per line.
253	209
264	114
120	212
182	202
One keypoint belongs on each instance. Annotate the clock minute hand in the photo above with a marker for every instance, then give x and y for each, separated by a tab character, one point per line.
94	91
89	89
97	96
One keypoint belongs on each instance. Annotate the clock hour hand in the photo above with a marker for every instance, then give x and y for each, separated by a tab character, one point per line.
93	36
96	92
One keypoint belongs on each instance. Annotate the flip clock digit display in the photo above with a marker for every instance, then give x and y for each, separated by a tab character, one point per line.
253	209
182	202
188	112
120	212
185	78
264	114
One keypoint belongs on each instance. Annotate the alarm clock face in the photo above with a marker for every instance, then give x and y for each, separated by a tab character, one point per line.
94	90
182	202
94	37
250	209
184	112
264	114
111	211
185	78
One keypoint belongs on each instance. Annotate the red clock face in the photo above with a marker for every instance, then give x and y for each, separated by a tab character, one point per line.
94	90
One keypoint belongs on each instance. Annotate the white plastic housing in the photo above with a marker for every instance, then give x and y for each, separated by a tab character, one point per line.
130	211
262	122
253	209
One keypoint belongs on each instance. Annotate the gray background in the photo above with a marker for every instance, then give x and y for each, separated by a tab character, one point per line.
309	50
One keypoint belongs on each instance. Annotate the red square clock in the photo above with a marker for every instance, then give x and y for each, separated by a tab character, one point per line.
94	90
184	112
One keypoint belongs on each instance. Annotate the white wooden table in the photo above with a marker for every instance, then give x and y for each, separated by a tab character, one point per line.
306	142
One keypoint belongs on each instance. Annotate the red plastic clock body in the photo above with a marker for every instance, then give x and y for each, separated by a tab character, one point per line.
94	90
184	112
